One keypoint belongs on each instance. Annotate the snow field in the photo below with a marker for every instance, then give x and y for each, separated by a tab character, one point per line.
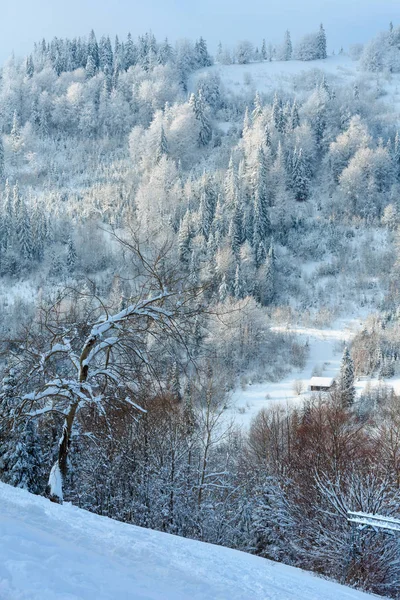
53	552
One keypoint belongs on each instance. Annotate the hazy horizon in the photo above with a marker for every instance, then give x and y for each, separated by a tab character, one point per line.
220	20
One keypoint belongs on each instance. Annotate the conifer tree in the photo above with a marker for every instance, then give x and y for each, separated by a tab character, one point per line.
93	50
264	53
90	67
106	58
206	211
184	238
294	116
29	66
202	57
23	460
300	177
162	147
130	52
71	255
16	139
238	288
236	227
346	379
231	184
269	283
219	222
246	122
277	114
165	53
287	46
200	110
38	226
223	290
257	112
24	232
321	42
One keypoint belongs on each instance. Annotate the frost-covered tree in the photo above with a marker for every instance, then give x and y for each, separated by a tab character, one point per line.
346	387
202	57
201	113
322	42
244	52
300	179
71	255
286	50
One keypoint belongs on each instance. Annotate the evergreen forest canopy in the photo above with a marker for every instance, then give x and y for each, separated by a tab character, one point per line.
154	227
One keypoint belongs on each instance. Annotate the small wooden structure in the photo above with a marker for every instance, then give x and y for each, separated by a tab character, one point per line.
321	384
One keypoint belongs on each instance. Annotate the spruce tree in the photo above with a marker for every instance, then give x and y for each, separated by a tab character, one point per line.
269	283
16	139
90	67
294	116
231	184
71	255
24	460
238	288
300	176
236	227
184	238
162	147
264	53
202	57
287	46
346	379
207	208
200	110
223	291
130	52
93	50
257	112
277	114
24	232
321	42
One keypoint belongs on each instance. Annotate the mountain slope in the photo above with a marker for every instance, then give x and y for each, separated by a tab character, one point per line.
52	552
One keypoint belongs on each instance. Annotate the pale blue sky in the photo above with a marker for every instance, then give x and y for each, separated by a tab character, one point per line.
347	21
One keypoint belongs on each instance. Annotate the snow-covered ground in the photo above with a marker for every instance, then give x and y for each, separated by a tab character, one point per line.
325	353
295	76
266	76
52	552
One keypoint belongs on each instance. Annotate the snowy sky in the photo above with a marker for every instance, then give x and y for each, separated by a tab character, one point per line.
346	21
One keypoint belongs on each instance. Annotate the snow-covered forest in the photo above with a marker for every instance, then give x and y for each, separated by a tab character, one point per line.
166	218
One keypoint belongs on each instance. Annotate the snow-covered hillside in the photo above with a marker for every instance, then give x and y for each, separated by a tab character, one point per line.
295	76
266	76
52	552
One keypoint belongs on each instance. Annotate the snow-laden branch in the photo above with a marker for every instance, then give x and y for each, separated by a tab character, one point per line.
144	308
60	348
104	345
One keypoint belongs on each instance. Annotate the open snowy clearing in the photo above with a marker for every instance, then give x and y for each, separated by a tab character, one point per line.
294	76
52	552
266	76
325	353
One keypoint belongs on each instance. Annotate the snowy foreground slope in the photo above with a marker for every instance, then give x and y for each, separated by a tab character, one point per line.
51	552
